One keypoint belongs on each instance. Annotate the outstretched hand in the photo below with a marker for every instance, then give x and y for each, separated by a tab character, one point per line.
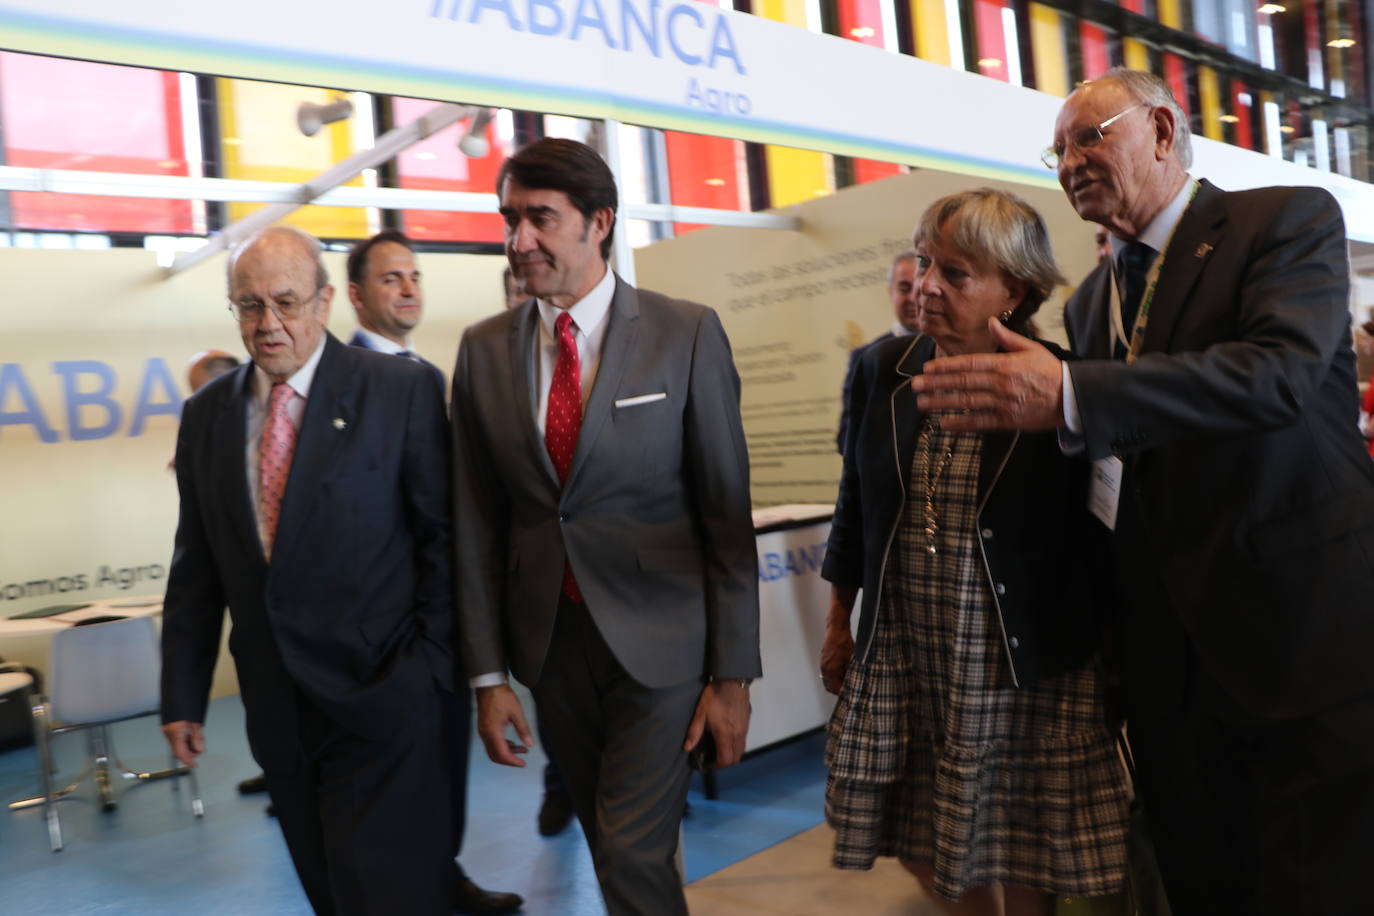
1021	388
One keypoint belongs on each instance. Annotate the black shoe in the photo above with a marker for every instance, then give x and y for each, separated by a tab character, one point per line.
555	814
254	785
471	900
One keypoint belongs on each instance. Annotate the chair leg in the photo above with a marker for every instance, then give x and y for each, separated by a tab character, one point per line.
197	805
98	740
42	740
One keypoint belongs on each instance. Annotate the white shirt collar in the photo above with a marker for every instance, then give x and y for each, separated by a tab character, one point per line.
587	313
382	344
1157	233
900	330
300	382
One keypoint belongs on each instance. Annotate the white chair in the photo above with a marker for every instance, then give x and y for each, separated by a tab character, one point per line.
99	674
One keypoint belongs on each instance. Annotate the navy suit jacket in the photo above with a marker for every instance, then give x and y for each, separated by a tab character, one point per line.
358	340
355	609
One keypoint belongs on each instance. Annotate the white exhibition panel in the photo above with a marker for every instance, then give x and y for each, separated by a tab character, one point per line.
789	699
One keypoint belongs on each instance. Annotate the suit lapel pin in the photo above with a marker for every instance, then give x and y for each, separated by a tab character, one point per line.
340	423
1203	250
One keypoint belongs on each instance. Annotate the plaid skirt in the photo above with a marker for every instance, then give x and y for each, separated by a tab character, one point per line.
934	756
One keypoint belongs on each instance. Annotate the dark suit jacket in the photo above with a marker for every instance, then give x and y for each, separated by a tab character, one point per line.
358	340
854	356
1033	525
355	609
655	515
1247	490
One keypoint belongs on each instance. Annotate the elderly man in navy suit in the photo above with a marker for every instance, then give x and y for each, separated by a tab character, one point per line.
314	487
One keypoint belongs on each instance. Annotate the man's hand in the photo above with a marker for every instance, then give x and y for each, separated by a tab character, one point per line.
186	739
724	709
836	652
498	707
1019	389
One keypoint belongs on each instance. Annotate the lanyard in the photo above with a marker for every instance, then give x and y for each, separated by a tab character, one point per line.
1136	343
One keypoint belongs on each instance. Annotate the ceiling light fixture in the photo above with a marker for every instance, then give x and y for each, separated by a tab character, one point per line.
473	143
310	117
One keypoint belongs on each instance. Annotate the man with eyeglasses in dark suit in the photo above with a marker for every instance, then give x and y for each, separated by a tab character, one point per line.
314	485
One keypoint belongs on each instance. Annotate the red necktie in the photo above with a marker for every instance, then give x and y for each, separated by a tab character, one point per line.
564	420
274	462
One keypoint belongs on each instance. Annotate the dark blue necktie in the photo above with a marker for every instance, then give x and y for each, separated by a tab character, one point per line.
1133	264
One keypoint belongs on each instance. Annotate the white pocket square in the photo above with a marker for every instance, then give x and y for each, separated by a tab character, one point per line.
641	399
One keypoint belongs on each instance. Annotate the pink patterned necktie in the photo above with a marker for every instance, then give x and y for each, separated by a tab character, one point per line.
274	462
564	420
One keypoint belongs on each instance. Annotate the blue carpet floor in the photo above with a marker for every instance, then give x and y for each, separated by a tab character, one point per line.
152	858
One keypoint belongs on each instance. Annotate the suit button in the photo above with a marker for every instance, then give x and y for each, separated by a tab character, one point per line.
1001	588
987	534
1014	643
563	516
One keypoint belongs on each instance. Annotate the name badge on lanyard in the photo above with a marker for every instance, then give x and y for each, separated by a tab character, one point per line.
1105	493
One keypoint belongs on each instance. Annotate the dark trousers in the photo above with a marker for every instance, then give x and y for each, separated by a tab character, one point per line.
457	710
618	746
1254	816
367	822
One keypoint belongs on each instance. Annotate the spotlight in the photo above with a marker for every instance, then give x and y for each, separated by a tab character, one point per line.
310	117
473	143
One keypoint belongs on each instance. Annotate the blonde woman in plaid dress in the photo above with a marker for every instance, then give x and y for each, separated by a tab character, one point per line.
970	740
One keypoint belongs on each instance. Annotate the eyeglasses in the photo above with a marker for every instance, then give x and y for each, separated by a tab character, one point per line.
251	311
1084	137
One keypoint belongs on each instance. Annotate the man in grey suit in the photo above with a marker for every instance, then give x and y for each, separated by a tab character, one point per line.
1217	398
604	535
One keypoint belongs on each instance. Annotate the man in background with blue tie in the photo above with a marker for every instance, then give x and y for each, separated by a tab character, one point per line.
384	287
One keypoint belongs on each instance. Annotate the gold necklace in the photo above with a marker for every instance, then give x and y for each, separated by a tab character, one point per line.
932	477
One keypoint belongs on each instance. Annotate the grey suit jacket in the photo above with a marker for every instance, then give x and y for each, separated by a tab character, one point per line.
1247	490
655	515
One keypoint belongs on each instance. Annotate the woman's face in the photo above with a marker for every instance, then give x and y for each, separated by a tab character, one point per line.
958	294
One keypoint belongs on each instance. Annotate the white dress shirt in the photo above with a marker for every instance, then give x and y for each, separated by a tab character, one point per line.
1156	235
259	390
590	319
589	316
382	344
